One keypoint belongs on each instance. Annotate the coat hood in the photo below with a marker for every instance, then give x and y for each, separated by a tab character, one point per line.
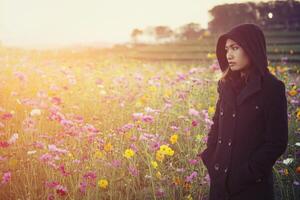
251	38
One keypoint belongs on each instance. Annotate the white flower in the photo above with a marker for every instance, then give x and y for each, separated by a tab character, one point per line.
288	161
13	138
297	144
35	112
31	152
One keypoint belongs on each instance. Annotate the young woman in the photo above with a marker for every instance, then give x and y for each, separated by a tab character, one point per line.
250	125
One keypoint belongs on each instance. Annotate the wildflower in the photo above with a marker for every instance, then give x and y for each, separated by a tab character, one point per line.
61	190
98	154
288	161
108	147
174	138
82	186
158	175
159	156
176	180
293	92
6	178
13	138
211	110
154	164
133	170
298	115
193	112
103	183
35	112
191	177
129	153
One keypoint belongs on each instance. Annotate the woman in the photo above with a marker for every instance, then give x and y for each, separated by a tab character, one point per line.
250	126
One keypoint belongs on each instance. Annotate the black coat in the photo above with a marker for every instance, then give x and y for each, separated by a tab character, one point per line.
249	133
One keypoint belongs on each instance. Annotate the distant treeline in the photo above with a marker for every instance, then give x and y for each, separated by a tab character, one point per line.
272	15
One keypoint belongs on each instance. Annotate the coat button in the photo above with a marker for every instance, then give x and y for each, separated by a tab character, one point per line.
219	141
221	113
229	142
233	115
258	180
225	170
217	166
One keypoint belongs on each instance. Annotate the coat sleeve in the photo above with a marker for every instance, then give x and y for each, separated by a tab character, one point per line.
276	135
213	132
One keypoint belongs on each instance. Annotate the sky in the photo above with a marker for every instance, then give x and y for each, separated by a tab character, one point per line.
67	22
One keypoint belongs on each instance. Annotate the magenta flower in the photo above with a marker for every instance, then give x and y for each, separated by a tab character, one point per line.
6	116
6	178
90	175
147	118
133	170
193	112
82	186
191	177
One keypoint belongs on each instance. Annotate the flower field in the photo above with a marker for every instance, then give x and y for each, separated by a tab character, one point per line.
94	127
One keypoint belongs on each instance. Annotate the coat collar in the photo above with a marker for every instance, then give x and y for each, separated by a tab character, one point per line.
253	85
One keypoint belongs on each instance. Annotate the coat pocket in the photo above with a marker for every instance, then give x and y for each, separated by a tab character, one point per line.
240	179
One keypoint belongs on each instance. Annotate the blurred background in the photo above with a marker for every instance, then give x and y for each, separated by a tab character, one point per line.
181	31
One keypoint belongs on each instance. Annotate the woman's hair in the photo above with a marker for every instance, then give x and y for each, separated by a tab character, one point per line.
228	73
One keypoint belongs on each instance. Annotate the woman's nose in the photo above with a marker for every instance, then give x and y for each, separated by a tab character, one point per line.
229	56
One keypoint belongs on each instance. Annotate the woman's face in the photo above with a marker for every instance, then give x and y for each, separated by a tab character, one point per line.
236	56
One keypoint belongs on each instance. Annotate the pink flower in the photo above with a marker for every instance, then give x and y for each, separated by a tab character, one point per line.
90	175
133	170
61	190
82	186
193	161
174	128
53	148
191	177
160	193
91	128
51	184
21	76
194	123
148	118
6	116
116	163
6	178
137	116
56	100
4	144
193	112
46	157
63	170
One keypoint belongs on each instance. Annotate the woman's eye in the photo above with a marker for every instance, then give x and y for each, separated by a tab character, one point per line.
235	48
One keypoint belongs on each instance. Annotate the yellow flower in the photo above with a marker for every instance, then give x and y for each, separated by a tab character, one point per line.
103	183
159	156
174	138
129	153
298	114
158	175
154	164
176	180
293	92
98	154
211	110
286	172
164	149
152	88
189	197
108	147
